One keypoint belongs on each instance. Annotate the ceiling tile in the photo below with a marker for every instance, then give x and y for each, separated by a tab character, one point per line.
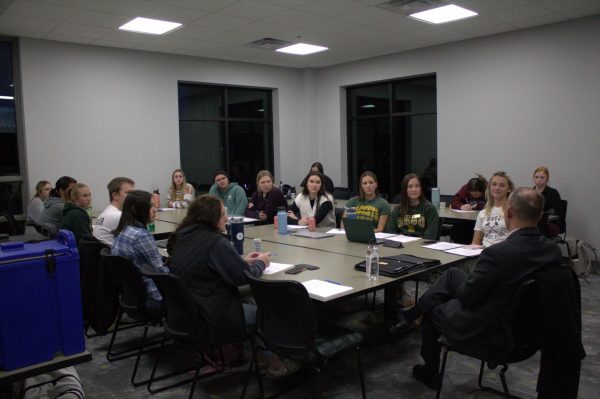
369	16
79	4
35	9
83	31
202	5
26	23
122	7
232	38
68	38
582	11
332	8
170	41
401	24
99	19
251	9
194	32
521	12
540	20
289	3
111	43
262	29
295	18
220	21
175	14
128	37
330	26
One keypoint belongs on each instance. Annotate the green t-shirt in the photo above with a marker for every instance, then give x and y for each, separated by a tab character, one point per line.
370	209
420	221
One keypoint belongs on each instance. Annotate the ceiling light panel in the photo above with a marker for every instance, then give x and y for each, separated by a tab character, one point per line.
444	14
149	26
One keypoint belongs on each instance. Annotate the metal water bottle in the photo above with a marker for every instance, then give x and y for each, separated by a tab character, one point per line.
236	233
435	197
282	221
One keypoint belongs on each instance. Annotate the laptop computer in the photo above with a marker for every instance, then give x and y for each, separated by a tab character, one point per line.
360	230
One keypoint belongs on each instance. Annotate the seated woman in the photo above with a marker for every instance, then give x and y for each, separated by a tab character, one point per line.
36	205
53	206
181	193
369	205
318	167
471	196
134	242
266	199
552	203
415	216
209	265
490	227
75	212
315	202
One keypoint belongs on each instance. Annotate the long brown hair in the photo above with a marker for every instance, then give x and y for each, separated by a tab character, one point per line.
136	208
405	202
361	193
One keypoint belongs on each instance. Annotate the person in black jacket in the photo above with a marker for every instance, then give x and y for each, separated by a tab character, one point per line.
552	203
318	167
467	309
212	269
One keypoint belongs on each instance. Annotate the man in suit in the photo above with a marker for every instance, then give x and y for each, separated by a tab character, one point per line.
467	309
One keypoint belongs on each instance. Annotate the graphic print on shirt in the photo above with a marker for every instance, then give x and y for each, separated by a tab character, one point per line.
493	228
411	223
367	212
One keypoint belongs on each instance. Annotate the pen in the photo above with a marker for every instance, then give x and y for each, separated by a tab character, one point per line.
273	254
333	282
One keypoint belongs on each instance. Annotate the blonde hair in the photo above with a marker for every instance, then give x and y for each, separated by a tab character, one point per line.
183	184
542	169
488	192
39	187
73	192
263	173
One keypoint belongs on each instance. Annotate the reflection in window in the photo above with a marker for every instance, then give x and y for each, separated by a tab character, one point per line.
225	128
392	131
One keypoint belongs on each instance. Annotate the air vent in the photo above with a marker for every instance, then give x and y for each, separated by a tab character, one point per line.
407	7
268	43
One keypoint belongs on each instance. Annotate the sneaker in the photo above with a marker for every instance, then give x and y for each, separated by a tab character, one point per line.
405	300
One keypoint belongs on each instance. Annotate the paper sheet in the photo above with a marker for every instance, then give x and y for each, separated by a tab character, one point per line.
443	246
324	289
383	235
402	238
462	251
275	267
337	231
296	227
461	211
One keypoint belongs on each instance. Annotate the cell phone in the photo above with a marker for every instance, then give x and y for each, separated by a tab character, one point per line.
295	270
307	266
392	244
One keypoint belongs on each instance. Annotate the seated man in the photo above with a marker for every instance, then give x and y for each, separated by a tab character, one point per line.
108	220
467	309
233	196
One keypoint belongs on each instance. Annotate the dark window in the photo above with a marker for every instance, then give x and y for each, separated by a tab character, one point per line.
392	131
225	128
12	188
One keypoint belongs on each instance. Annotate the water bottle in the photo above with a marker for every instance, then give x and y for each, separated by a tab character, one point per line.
236	233
372	265
435	197
282	221
351	213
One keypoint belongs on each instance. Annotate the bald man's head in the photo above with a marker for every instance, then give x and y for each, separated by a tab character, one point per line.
525	206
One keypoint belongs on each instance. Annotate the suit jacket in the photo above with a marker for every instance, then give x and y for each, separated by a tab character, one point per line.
471	322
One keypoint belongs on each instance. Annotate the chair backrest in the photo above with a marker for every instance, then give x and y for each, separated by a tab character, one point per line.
181	318
563	216
342	193
132	290
285	318
49	230
521	324
11	223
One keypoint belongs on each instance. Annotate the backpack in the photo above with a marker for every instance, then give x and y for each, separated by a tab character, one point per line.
584	257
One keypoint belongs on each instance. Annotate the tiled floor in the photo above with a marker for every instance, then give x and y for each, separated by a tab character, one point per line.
387	370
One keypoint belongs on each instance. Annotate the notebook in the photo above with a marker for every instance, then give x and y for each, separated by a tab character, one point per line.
311	234
360	230
398	265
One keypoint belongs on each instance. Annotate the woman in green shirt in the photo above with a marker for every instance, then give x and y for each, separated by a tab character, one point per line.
415	216
369	205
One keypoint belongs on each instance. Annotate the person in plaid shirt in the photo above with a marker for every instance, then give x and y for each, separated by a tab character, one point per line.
134	242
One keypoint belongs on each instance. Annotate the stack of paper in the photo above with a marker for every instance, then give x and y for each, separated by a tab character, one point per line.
443	246
465	251
275	267
323	289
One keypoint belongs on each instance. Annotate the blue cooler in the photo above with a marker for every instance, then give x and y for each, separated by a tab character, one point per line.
40	301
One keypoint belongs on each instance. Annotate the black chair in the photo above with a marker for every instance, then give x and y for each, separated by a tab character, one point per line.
520	337
343	193
132	301
183	322
397	199
561	238
286	323
12	227
99	291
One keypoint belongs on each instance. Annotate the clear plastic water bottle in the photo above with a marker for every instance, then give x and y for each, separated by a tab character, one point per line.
351	213
372	265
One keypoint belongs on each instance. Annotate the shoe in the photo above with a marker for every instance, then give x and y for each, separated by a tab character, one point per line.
405	300
398	326
421	374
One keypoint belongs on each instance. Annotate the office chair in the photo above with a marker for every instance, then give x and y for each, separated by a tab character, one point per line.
286	323
132	301
183	322
520	327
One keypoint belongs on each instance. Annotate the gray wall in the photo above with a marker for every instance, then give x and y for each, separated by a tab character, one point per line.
512	101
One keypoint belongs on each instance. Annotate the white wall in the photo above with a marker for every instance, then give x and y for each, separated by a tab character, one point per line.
507	102
95	113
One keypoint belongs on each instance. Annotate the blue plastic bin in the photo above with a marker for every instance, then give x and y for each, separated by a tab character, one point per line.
40	301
